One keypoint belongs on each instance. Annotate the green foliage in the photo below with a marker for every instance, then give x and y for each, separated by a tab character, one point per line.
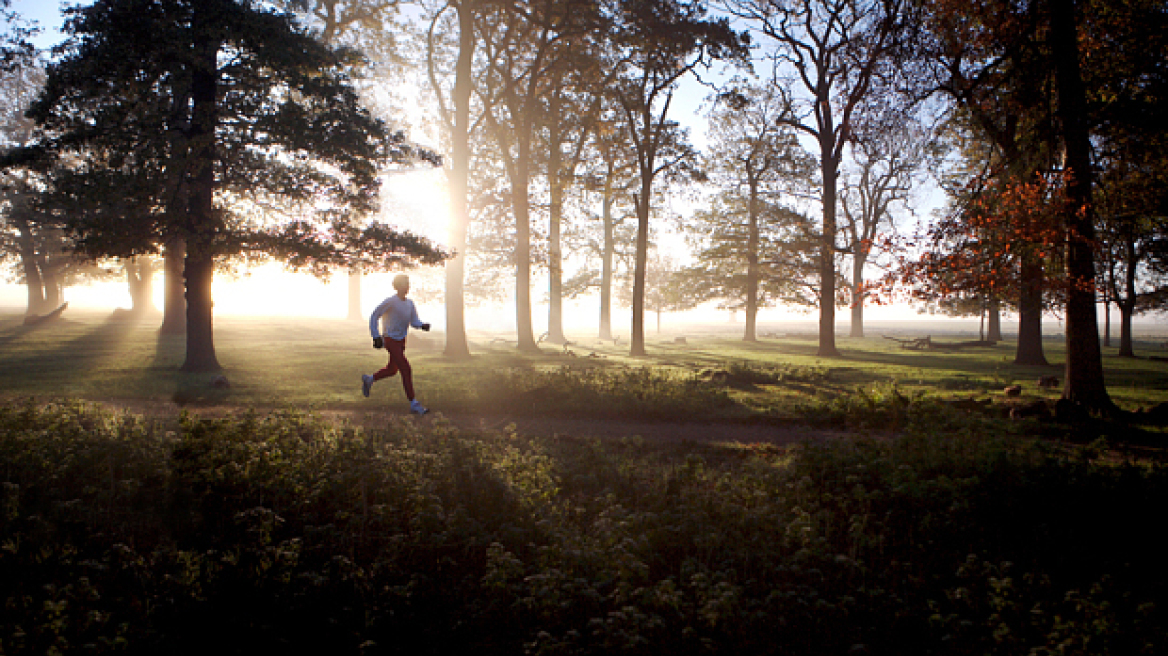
261	532
122	116
642	392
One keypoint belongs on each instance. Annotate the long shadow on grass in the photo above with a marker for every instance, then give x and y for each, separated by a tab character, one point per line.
76	357
16	332
974	369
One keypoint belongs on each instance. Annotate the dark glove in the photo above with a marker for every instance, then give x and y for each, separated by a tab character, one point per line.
425	327
377	343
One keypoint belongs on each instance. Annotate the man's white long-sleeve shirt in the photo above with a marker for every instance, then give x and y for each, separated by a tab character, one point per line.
397	314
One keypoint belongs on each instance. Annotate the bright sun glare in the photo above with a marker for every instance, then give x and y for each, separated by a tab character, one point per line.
411	201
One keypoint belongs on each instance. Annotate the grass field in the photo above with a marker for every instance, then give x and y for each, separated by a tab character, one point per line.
289	530
280	362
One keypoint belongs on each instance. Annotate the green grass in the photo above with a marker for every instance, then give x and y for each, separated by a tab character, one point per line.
277	529
315	362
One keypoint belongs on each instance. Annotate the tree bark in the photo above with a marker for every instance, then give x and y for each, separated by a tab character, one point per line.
456	344
52	282
174	304
140	279
1127	306
32	273
555	221
829	171
200	260
1106	323
1030	350
520	204
606	258
994	322
752	270
857	328
637	341
199	273
1085	385
1126	348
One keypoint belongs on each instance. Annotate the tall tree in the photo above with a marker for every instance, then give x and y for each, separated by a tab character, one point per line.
758	164
1085	386
751	253
885	164
454	111
668	287
203	92
990	60
658	42
1127	94
608	178
31	240
526	45
572	114
830	56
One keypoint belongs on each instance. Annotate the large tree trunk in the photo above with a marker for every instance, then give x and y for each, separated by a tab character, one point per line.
54	289
1126	311
555	220
640	265
1030	350
828	170
994	320
749	334
456	344
36	289
857	329
1085	385
1127	306
32	272
200	261
199	273
606	258
140	280
174	303
520	203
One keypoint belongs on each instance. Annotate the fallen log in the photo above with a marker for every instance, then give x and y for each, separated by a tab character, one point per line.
916	344
34	319
927	344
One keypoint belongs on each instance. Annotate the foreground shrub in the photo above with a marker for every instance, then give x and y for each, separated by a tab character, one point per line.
285	532
618	392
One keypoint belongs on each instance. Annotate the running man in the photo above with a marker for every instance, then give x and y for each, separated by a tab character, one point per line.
397	313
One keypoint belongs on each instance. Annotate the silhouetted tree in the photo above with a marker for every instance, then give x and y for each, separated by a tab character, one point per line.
454	111
528	49
233	108
758	165
830	57
886	161
657	43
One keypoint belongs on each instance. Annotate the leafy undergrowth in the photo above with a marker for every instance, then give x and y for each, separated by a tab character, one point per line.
618	392
260	533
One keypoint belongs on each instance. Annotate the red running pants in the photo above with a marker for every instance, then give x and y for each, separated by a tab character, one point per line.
398	364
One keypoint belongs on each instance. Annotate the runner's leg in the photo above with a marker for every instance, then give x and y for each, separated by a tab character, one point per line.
397	358
389	369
